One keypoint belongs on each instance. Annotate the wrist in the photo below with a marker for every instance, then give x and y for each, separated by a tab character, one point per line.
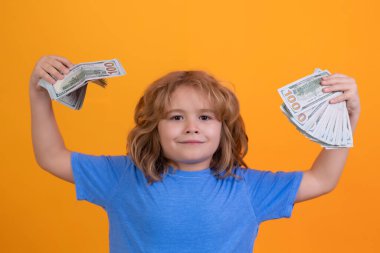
38	94
354	121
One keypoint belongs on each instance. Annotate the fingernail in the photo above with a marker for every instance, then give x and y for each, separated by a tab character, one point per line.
326	90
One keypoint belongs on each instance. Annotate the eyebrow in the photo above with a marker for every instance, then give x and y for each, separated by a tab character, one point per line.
180	110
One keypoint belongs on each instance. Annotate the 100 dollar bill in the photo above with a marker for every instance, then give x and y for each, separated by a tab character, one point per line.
80	74
75	99
305	93
308	108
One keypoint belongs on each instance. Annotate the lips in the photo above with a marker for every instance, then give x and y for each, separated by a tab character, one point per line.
191	142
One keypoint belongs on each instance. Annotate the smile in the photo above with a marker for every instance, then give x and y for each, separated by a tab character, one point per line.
191	142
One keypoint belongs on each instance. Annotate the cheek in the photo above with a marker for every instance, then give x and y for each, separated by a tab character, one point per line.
215	132
161	132
167	132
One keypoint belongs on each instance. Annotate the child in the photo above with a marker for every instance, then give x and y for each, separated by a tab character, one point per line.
183	185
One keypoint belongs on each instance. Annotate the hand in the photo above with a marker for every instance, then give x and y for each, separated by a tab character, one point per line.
346	84
50	68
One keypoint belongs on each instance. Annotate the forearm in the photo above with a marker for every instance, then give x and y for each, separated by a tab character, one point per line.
46	137
329	164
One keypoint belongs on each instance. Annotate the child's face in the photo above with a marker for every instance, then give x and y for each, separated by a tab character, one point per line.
189	133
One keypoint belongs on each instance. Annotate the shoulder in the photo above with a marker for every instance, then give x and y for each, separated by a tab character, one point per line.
247	173
119	161
254	175
112	167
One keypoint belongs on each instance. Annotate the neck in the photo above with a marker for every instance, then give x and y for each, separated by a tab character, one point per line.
191	166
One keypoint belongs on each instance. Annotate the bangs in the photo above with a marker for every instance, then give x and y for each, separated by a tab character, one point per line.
218	96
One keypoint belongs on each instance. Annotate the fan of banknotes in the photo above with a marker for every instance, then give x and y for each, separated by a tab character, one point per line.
308	108
71	90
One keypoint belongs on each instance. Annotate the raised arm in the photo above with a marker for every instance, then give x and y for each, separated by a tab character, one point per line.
327	168
48	145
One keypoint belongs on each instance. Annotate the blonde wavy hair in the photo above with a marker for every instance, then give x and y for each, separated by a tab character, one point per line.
143	145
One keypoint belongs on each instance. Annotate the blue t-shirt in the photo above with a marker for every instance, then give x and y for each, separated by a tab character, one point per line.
188	211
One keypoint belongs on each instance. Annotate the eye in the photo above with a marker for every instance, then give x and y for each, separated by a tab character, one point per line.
176	117
205	117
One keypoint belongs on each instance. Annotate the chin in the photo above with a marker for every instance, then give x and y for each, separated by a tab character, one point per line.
193	160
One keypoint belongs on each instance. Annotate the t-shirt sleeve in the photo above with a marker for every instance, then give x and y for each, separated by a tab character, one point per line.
97	177
272	194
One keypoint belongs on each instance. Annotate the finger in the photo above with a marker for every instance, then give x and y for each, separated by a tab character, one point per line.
52	71
61	67
338	87
44	75
63	60
337	80
333	75
341	98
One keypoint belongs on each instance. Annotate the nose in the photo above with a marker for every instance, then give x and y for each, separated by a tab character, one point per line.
191	127
192	131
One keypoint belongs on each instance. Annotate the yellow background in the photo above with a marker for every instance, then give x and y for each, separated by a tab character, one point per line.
257	46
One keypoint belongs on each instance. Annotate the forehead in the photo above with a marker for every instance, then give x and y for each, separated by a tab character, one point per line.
188	97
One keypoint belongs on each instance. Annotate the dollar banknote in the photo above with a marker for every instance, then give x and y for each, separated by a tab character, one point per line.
74	99
308	108
71	90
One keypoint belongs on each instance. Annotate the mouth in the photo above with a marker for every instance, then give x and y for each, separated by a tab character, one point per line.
191	142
